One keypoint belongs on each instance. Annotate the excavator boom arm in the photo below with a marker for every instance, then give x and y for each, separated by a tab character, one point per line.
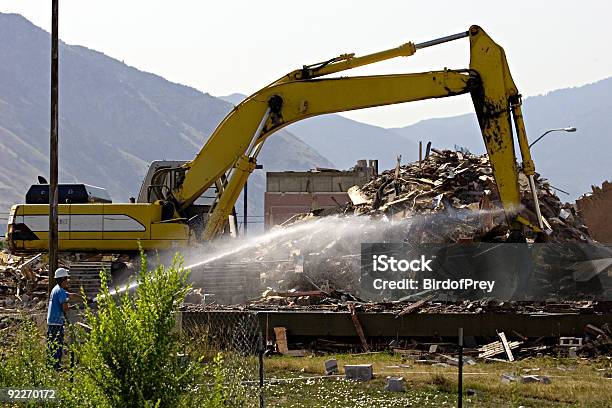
235	143
303	99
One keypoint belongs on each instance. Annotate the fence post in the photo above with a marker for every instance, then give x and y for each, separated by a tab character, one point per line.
460	382
262	348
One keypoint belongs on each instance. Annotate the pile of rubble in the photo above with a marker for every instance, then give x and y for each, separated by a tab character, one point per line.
459	188
336	301
24	278
449	197
23	282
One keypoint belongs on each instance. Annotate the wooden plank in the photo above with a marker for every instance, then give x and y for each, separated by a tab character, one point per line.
358	327
507	348
281	339
491	349
415	306
495	348
282	344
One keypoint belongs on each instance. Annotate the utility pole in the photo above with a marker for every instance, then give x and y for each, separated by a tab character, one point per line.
244	203
245	208
53	198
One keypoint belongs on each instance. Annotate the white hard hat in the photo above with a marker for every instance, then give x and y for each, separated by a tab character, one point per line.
61	273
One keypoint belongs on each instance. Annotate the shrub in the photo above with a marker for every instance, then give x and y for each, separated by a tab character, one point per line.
132	353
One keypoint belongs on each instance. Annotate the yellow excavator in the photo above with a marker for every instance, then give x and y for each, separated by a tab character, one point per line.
166	213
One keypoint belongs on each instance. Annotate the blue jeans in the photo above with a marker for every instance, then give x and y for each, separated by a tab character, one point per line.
55	344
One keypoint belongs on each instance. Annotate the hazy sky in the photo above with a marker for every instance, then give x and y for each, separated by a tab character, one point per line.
223	47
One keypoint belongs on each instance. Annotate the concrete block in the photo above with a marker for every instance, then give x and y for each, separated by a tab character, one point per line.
570	341
331	367
359	372
395	384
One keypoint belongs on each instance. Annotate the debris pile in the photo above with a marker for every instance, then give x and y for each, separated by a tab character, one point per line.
23	282
449	197
24	278
459	188
339	302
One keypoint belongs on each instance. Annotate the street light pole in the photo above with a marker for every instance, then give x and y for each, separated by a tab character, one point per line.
53	159
531	178
566	129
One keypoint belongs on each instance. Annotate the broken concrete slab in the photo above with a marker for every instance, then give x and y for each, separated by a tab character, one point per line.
357	196
529	379
395	384
331	367
507	378
450	360
359	372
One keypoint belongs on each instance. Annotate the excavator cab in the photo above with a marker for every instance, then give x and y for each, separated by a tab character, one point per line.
162	178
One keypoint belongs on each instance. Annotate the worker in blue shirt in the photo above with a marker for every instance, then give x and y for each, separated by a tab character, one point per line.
56	315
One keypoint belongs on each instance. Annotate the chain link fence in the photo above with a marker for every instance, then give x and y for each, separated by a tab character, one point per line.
238	337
